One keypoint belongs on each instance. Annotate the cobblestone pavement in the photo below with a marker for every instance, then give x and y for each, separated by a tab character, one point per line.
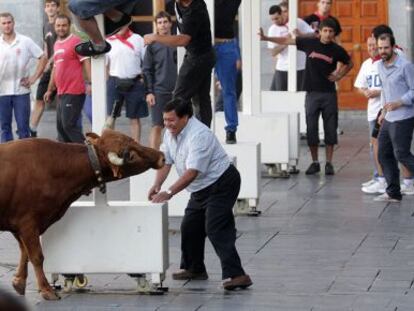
320	244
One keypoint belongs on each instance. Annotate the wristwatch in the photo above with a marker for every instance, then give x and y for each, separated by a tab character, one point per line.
169	192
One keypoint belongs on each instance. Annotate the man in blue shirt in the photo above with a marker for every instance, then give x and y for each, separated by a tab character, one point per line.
205	171
396	133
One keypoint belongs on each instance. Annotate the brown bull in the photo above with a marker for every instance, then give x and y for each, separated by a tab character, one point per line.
40	178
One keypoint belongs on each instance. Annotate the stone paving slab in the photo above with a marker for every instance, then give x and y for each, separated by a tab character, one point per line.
320	244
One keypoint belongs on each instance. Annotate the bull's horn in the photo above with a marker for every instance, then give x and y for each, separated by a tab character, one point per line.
115	159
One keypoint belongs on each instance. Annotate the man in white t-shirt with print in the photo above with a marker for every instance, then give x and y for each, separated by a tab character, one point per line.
125	82
369	84
279	17
16	52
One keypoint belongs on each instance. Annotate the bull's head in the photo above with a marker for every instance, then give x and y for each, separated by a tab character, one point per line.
123	155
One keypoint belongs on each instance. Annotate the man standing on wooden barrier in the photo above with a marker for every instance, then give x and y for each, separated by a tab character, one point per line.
160	75
321	73
116	14
16	51
67	79
194	77
205	171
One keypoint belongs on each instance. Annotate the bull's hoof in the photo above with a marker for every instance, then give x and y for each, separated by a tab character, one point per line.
19	285
49	295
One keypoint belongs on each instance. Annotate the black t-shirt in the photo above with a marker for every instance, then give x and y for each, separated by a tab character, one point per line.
49	37
314	20
225	11
195	22
321	61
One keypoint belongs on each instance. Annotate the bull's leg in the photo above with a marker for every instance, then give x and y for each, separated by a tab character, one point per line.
19	280
34	251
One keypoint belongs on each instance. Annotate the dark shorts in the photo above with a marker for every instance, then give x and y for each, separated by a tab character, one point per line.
317	103
156	111
42	86
85	9
135	105
280	81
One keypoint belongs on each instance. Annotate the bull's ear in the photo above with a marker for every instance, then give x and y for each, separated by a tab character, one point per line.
92	138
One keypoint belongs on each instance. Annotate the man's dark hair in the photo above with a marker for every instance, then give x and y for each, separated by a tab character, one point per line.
63	16
180	107
10	302
328	22
163	14
275	9
57	2
381	29
387	36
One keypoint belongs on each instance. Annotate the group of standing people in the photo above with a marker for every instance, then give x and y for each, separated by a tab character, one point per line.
385	79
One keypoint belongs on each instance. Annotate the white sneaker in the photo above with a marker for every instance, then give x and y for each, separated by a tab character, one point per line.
407	190
386	198
377	187
369	182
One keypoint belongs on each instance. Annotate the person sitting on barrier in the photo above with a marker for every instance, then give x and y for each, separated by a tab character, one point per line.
9	302
205	171
116	13
321	72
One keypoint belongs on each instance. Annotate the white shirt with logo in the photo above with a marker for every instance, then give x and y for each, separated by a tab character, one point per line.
282	63
368	77
15	64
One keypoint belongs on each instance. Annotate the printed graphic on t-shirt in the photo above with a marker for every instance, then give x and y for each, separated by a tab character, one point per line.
321	56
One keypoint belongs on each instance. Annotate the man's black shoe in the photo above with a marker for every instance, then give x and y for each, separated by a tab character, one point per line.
329	169
314	168
231	137
183	275
87	49
112	27
33	133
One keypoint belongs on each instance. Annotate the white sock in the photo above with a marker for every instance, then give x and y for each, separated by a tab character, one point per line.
381	179
33	128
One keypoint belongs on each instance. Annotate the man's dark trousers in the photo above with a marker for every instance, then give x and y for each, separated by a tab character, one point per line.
194	82
210	213
394	144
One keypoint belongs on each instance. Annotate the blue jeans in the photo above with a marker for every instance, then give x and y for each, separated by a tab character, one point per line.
394	144
227	55
20	104
85	9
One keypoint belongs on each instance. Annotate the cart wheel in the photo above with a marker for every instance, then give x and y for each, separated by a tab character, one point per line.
68	285
80	281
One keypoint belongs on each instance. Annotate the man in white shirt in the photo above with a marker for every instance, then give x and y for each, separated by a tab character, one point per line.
369	85
16	51
280	18
205	171
125	82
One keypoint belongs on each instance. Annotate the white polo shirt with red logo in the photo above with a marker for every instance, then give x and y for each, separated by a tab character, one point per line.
15	64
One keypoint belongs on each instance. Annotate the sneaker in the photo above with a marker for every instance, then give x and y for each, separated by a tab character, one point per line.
87	49
242	281
112	27
386	198
329	169
183	275
369	182
231	137
314	168
407	190
33	133
377	187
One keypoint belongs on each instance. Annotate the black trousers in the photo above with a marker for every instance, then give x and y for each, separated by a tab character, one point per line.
394	145
68	113
210	213
194	82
